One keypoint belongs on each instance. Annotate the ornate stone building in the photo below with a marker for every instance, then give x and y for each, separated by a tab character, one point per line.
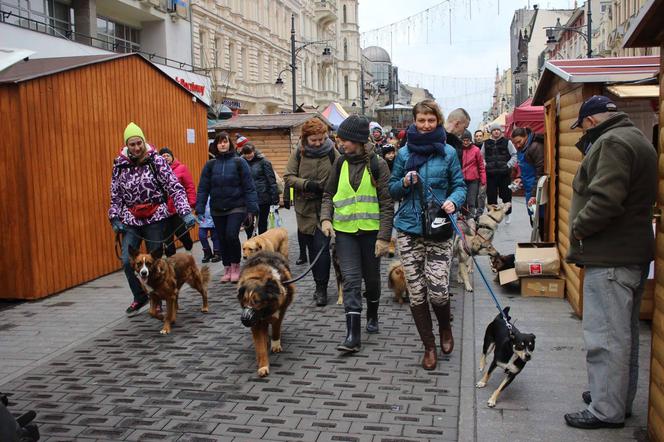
246	46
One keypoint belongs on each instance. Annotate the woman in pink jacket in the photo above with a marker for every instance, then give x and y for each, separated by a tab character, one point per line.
473	172
174	226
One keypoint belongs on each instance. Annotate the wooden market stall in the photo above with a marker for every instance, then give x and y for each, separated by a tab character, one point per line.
63	121
647	31
275	135
563	87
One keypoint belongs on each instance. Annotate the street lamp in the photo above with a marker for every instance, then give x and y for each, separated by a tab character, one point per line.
327	58
552	31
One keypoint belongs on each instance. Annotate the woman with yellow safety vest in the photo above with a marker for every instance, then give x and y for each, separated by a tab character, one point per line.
357	210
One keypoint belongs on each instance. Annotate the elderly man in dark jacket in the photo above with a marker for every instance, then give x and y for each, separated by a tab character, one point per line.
611	236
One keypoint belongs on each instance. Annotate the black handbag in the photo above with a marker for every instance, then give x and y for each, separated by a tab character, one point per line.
436	224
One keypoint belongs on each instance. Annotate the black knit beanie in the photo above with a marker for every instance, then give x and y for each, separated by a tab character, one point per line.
354	128
164	150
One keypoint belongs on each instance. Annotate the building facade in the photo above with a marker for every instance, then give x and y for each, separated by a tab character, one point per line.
245	45
620	15
160	30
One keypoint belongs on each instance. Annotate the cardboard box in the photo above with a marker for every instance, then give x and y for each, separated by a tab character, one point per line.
537	259
507	276
543	286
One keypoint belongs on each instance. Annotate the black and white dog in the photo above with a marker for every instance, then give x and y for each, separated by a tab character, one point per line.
511	350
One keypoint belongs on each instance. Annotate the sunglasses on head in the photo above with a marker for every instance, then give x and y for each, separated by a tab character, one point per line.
135	143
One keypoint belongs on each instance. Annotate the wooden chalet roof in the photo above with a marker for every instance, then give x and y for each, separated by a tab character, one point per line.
267	121
595	70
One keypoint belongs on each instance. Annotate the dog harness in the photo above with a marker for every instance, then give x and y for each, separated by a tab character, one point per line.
355	210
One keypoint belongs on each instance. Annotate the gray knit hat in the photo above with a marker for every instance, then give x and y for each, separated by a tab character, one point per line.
354	128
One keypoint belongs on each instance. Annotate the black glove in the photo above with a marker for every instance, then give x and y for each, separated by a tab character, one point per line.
311	186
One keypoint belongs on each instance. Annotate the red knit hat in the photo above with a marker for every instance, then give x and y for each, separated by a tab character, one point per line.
240	141
402	134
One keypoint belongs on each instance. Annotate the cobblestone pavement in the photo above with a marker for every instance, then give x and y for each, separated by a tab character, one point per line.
93	374
199	383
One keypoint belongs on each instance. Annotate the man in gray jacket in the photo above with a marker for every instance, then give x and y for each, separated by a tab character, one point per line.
611	237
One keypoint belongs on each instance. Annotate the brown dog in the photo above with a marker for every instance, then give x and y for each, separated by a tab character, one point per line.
264	300
272	240
164	277
396	280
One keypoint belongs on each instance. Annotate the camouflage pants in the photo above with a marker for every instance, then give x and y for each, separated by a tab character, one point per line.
426	265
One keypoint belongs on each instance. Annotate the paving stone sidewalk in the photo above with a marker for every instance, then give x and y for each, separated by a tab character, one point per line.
93	374
90	373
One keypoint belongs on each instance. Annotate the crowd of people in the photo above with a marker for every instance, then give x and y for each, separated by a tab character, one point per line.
366	187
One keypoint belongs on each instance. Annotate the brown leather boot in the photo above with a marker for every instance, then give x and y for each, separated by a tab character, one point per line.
446	339
422	317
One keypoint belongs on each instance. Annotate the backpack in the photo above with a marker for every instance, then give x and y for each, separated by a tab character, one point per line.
374	166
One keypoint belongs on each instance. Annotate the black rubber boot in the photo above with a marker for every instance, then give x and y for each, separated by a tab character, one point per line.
353	334
320	295
207	256
372	316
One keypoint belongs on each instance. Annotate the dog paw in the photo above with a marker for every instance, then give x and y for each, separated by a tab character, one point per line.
469	289
276	346
480	384
491	403
164	331
204	309
340	301
263	371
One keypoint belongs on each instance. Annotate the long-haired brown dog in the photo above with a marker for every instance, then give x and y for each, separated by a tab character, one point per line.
396	280
264	300
164	277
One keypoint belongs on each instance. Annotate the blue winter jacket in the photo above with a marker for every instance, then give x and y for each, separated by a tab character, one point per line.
227	190
444	176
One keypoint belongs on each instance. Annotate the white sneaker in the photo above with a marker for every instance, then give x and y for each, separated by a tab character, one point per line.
508	219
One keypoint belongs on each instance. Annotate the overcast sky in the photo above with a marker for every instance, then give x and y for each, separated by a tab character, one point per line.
459	74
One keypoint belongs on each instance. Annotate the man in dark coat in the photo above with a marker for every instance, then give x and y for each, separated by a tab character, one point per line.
611	236
456	124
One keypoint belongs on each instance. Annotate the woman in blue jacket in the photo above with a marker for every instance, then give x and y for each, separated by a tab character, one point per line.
426	161
227	181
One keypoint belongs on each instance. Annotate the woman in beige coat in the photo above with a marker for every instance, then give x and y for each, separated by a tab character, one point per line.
307	172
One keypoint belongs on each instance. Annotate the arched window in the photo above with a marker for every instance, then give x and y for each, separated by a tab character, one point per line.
344	14
345	49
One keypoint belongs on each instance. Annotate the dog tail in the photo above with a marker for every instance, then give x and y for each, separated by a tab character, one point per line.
205	275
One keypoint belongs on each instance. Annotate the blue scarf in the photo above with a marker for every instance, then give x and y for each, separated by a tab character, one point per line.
423	146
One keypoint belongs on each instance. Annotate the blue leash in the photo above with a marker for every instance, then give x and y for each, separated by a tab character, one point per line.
452	218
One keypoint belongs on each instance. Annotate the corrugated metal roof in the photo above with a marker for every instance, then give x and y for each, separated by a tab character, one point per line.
596	70
41	67
268	121
601	70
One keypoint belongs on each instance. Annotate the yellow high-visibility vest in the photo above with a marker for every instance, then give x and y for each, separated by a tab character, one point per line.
355	210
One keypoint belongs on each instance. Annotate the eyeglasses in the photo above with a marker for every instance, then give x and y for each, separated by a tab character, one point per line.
135	143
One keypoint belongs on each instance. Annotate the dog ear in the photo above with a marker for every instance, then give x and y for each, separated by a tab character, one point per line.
271	286
240	293
133	253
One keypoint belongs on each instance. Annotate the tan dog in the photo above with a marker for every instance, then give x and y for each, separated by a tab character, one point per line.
272	240
478	241
264	300
163	278
396	280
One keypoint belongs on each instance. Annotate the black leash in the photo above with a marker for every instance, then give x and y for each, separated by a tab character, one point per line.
165	242
311	266
452	218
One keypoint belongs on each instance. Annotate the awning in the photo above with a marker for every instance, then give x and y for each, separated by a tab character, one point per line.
335	114
634	90
526	115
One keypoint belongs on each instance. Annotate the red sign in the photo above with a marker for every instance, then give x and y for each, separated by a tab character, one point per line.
197	88
535	269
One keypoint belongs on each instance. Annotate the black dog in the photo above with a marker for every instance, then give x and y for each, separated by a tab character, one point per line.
511	350
501	262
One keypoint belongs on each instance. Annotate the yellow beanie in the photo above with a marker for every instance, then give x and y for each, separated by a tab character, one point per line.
132	130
